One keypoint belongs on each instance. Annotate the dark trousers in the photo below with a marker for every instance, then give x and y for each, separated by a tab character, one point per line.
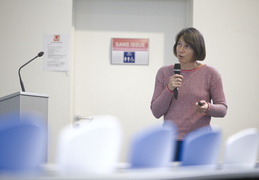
178	151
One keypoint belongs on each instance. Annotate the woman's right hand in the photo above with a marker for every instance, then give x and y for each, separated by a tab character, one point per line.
175	81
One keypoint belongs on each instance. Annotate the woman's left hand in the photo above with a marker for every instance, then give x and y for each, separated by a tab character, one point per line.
202	106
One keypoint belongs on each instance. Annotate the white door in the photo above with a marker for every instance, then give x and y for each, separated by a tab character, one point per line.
124	91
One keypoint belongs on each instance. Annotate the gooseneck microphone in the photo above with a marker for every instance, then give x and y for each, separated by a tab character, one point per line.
19	71
177	70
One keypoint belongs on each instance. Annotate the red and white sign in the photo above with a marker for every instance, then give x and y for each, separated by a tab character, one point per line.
56	48
130	51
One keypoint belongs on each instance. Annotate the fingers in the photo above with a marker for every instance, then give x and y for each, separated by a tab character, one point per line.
175	81
201	106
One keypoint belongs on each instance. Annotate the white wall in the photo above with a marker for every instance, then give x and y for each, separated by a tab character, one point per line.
230	28
23	24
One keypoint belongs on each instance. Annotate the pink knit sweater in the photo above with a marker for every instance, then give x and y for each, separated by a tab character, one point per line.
203	83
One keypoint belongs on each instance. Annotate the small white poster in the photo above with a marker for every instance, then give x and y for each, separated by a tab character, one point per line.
56	52
130	51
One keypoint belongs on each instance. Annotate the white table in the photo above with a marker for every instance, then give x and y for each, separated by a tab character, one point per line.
171	173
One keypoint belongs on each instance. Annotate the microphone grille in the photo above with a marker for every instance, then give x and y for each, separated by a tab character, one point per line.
177	66
40	53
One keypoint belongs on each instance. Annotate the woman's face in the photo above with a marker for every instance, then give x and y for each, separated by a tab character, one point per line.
184	51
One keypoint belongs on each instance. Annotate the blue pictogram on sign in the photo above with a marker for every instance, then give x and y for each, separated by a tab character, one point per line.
129	57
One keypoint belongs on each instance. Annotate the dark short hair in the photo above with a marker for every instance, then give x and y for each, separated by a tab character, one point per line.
194	39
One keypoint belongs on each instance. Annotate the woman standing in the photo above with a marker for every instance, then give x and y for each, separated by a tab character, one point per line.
200	89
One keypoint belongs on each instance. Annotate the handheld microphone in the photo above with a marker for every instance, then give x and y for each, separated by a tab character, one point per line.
19	71
177	70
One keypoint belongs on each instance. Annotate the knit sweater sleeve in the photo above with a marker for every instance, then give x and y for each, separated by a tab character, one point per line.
162	96
218	107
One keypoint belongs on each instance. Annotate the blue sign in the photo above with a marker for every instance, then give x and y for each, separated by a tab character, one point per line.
129	57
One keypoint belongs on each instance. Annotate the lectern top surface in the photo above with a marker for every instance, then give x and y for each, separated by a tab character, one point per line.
23	94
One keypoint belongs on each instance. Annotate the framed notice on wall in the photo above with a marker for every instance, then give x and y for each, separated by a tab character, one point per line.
130	51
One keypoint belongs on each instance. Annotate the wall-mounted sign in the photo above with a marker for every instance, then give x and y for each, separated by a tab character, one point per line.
130	51
56	48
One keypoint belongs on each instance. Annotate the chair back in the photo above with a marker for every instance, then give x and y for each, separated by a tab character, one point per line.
241	149
23	139
91	147
153	147
201	147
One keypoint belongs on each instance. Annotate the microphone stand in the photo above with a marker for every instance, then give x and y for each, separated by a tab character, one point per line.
19	71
